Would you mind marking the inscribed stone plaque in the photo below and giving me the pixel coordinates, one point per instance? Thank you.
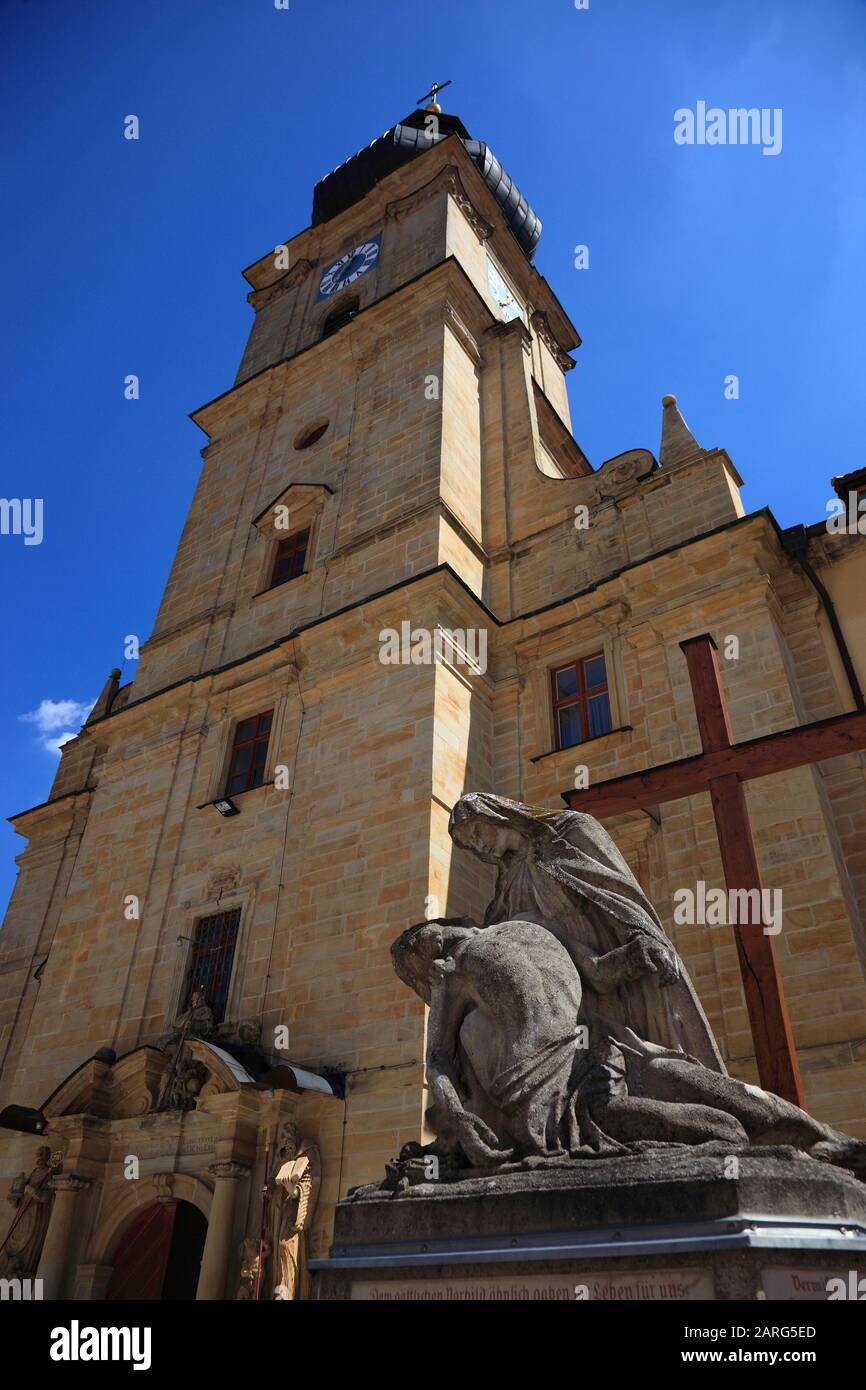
(643, 1286)
(796, 1284)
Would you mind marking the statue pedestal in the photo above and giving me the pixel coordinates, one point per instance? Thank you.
(670, 1224)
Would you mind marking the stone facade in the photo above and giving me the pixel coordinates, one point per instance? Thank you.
(442, 493)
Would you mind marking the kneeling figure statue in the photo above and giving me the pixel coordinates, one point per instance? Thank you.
(565, 1025)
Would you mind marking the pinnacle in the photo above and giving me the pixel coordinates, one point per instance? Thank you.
(678, 444)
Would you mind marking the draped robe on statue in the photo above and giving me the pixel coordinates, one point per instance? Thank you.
(294, 1190)
(570, 877)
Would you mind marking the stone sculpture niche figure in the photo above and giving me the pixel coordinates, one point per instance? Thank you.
(254, 1254)
(31, 1197)
(533, 1047)
(293, 1190)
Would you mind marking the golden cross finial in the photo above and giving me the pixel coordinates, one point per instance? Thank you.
(432, 104)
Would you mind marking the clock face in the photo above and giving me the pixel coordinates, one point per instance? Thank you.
(508, 306)
(349, 268)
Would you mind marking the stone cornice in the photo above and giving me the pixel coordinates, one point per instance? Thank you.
(294, 277)
(54, 809)
(462, 333)
(652, 627)
(611, 616)
(70, 1182)
(512, 328)
(157, 639)
(480, 226)
(447, 180)
(229, 1169)
(541, 324)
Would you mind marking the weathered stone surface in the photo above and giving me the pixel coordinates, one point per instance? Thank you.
(566, 1025)
(660, 1226)
(667, 1184)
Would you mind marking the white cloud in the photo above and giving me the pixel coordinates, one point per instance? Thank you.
(52, 719)
(52, 743)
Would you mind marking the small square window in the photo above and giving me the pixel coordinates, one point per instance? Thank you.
(290, 558)
(249, 754)
(581, 701)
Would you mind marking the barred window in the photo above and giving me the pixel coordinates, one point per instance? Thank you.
(211, 957)
(581, 701)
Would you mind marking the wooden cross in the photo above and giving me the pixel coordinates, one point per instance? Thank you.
(721, 769)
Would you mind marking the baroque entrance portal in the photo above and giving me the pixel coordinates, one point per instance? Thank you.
(159, 1255)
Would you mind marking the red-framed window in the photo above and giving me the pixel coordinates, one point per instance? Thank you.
(249, 753)
(290, 558)
(581, 700)
(211, 957)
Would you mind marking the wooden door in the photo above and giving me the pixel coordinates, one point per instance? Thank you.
(142, 1255)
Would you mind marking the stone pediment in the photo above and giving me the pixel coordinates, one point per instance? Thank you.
(145, 1080)
(296, 504)
(150, 1079)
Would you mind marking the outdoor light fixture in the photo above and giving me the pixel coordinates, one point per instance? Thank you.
(226, 806)
(23, 1118)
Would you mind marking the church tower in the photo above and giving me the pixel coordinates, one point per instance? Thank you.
(400, 579)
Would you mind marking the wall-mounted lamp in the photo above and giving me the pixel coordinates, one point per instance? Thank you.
(23, 1118)
(226, 806)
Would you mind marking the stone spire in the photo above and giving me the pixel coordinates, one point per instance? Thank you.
(678, 443)
(106, 699)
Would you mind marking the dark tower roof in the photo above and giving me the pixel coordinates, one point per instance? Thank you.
(350, 181)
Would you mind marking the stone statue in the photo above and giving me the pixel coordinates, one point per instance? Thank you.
(188, 1080)
(184, 1082)
(185, 1077)
(196, 1021)
(254, 1254)
(293, 1191)
(563, 871)
(555, 1029)
(32, 1198)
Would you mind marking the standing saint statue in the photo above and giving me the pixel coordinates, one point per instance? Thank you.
(293, 1191)
(32, 1198)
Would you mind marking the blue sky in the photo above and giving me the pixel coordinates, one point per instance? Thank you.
(125, 257)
